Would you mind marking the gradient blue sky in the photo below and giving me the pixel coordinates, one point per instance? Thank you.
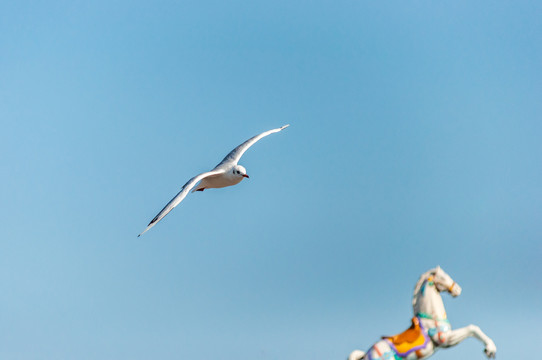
(415, 140)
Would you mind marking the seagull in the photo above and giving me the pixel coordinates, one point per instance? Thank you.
(226, 173)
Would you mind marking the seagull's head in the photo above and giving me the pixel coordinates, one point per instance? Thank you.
(239, 171)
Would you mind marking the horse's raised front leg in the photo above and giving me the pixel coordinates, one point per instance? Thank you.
(454, 337)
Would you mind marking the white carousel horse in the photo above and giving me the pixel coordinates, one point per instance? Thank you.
(430, 328)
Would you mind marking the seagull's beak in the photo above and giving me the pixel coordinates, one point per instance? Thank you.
(248, 177)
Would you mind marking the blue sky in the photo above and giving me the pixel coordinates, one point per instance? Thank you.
(414, 141)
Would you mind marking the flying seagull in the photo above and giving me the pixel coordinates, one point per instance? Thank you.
(226, 173)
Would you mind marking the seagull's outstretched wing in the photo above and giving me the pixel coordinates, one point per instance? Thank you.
(233, 157)
(180, 196)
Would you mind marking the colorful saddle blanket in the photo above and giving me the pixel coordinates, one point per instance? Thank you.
(412, 339)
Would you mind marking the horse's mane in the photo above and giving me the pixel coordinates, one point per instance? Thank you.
(419, 284)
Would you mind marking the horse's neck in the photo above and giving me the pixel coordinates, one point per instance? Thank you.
(430, 303)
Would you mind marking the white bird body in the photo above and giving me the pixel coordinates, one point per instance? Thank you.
(226, 173)
(218, 181)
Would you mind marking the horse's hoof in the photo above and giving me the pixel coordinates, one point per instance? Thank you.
(490, 353)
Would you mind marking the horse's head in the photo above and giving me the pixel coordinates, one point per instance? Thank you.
(426, 299)
(443, 282)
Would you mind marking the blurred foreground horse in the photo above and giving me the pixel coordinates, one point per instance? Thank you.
(430, 328)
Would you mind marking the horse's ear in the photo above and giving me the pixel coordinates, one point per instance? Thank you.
(437, 269)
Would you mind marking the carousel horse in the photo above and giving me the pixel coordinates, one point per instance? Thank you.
(430, 328)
